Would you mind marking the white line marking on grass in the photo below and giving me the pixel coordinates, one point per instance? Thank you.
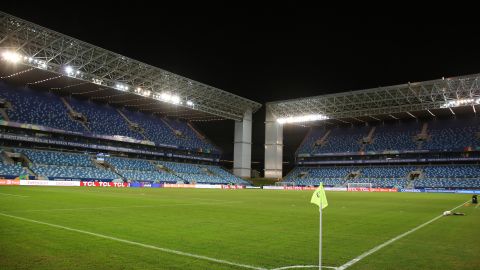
(81, 208)
(377, 248)
(303, 266)
(116, 207)
(166, 250)
(477, 205)
(8, 194)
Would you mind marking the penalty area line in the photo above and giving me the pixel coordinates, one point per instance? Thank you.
(165, 250)
(377, 248)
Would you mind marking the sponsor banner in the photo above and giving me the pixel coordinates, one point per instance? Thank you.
(35, 183)
(208, 186)
(439, 190)
(273, 187)
(233, 187)
(148, 185)
(411, 190)
(103, 184)
(66, 183)
(468, 191)
(299, 188)
(145, 185)
(179, 185)
(384, 190)
(4, 182)
(303, 188)
(364, 189)
(356, 189)
(252, 187)
(49, 183)
(335, 188)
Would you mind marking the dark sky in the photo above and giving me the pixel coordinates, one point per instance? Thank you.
(274, 53)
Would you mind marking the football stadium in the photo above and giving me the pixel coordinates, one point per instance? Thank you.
(104, 164)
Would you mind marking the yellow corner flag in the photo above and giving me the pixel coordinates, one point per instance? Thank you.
(319, 197)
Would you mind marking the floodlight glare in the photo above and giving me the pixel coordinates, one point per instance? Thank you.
(302, 118)
(175, 99)
(12, 57)
(189, 103)
(69, 69)
(459, 102)
(166, 96)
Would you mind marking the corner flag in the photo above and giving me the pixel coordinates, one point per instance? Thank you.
(319, 198)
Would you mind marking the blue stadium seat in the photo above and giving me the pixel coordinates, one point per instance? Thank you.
(39, 108)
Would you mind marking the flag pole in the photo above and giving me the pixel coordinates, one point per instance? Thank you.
(320, 240)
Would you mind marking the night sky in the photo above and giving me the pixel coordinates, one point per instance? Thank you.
(274, 53)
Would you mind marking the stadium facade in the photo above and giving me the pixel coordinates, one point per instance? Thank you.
(69, 108)
(423, 134)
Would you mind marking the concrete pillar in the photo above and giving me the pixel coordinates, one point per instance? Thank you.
(273, 146)
(242, 151)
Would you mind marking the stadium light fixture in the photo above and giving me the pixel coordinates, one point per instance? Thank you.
(175, 99)
(459, 102)
(189, 103)
(167, 97)
(302, 118)
(12, 57)
(146, 93)
(121, 87)
(69, 70)
(97, 81)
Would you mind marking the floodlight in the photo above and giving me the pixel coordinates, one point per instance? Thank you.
(165, 96)
(189, 103)
(459, 102)
(302, 118)
(69, 69)
(12, 57)
(175, 99)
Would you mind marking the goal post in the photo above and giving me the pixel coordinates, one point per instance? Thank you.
(359, 186)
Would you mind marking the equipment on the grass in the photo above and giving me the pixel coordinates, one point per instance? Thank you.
(474, 199)
(359, 186)
(450, 213)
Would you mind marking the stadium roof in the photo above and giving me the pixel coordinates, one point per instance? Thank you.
(51, 60)
(446, 96)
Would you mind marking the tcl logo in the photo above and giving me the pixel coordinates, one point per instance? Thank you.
(103, 184)
(88, 184)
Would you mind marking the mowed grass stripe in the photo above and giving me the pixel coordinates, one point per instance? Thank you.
(172, 251)
(269, 229)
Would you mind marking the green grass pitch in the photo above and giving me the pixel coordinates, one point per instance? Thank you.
(89, 228)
